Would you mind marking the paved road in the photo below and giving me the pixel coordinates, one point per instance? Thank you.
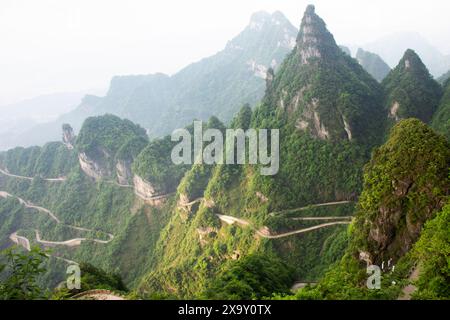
(323, 218)
(265, 233)
(19, 240)
(326, 204)
(6, 173)
(70, 243)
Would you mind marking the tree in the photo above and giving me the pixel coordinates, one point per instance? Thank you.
(20, 274)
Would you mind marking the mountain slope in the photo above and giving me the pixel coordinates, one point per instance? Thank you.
(399, 226)
(442, 79)
(411, 92)
(226, 213)
(441, 119)
(373, 64)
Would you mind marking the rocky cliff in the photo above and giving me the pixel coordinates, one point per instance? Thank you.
(406, 183)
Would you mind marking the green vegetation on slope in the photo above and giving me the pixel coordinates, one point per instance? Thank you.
(441, 119)
(406, 185)
(411, 92)
(373, 64)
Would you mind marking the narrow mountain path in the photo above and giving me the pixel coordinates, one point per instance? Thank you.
(19, 240)
(6, 173)
(326, 204)
(29, 205)
(69, 243)
(25, 243)
(191, 203)
(300, 285)
(323, 218)
(265, 233)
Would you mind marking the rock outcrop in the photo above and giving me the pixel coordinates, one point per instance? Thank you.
(314, 40)
(93, 168)
(325, 90)
(123, 172)
(68, 137)
(406, 183)
(143, 188)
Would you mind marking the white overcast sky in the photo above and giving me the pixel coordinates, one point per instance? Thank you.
(49, 46)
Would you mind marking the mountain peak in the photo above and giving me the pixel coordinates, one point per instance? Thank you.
(261, 18)
(411, 90)
(310, 9)
(314, 40)
(411, 59)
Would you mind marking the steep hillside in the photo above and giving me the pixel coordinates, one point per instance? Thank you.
(329, 112)
(442, 79)
(399, 225)
(48, 197)
(441, 119)
(411, 92)
(373, 64)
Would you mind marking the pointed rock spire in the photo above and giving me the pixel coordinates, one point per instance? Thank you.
(314, 40)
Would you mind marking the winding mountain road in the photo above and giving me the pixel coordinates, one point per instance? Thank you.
(71, 242)
(6, 173)
(323, 218)
(24, 242)
(265, 233)
(19, 240)
(326, 204)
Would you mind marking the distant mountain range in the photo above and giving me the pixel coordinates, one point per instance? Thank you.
(391, 48)
(17, 118)
(218, 85)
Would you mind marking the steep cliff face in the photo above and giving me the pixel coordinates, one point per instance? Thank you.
(143, 188)
(123, 172)
(406, 183)
(125, 157)
(411, 92)
(107, 146)
(94, 168)
(68, 136)
(314, 40)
